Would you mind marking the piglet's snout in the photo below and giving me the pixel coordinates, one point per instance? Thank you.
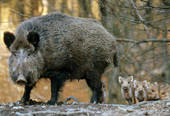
(125, 88)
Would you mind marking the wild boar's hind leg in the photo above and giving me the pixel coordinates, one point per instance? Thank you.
(57, 82)
(93, 80)
(97, 93)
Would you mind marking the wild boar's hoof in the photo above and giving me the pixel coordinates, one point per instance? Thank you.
(50, 102)
(24, 102)
(29, 102)
(97, 99)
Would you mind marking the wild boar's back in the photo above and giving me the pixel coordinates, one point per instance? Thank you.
(70, 39)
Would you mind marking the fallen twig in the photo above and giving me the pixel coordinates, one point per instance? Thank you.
(73, 98)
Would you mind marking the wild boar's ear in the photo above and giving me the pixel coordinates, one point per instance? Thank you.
(33, 38)
(8, 38)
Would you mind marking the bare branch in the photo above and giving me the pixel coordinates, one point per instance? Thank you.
(143, 41)
(140, 18)
(16, 12)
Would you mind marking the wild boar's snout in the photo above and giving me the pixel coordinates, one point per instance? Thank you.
(21, 80)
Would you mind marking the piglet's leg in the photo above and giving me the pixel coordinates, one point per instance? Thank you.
(130, 101)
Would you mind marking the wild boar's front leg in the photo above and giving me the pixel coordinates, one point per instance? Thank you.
(57, 82)
(26, 97)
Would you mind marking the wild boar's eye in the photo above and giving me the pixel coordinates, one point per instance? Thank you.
(14, 53)
(29, 54)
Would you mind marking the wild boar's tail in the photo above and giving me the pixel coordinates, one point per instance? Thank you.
(115, 59)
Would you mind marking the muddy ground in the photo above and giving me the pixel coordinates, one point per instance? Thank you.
(149, 108)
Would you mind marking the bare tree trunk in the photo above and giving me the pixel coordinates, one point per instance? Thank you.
(107, 18)
(64, 6)
(34, 10)
(165, 55)
(104, 12)
(19, 6)
(0, 13)
(85, 8)
(51, 6)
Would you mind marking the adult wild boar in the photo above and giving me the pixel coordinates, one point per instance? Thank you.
(60, 47)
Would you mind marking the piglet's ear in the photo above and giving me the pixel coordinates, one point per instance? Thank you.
(134, 83)
(33, 38)
(131, 78)
(120, 79)
(8, 39)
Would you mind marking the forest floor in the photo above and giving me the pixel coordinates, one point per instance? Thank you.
(149, 108)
